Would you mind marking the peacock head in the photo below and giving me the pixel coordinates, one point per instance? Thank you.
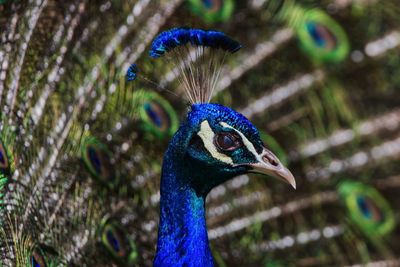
(221, 144)
(215, 143)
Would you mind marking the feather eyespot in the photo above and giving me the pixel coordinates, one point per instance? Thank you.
(158, 115)
(321, 37)
(367, 208)
(227, 141)
(119, 244)
(114, 239)
(97, 160)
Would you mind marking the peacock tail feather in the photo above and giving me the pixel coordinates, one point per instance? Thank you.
(81, 142)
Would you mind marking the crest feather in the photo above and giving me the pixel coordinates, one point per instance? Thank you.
(197, 56)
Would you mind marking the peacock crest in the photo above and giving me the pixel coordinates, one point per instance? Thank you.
(196, 56)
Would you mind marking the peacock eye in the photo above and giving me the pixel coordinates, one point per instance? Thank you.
(115, 240)
(227, 141)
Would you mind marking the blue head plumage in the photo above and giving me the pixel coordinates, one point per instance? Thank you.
(221, 143)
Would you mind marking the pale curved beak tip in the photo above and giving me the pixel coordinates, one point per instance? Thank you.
(285, 175)
(292, 182)
(269, 164)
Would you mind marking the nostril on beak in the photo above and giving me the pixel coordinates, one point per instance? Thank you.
(270, 159)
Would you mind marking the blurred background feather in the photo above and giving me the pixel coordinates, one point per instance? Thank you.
(81, 146)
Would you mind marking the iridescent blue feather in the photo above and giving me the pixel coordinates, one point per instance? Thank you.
(132, 72)
(168, 40)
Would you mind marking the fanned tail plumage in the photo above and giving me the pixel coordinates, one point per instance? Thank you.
(90, 95)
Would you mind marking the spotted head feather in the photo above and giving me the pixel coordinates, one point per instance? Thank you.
(132, 72)
(197, 56)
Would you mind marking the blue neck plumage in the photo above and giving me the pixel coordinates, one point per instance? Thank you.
(182, 233)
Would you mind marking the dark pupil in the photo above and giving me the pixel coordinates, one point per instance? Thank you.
(94, 159)
(226, 141)
(364, 207)
(321, 35)
(153, 115)
(312, 29)
(369, 209)
(157, 115)
(113, 241)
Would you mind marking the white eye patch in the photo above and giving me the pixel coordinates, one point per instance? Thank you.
(207, 136)
(249, 145)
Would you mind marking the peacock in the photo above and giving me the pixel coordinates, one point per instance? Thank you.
(111, 148)
(212, 145)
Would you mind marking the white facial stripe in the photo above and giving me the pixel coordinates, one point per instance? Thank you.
(249, 145)
(207, 135)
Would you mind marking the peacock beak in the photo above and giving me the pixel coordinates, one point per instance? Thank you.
(269, 164)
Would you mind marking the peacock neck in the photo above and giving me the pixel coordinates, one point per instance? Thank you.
(182, 233)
